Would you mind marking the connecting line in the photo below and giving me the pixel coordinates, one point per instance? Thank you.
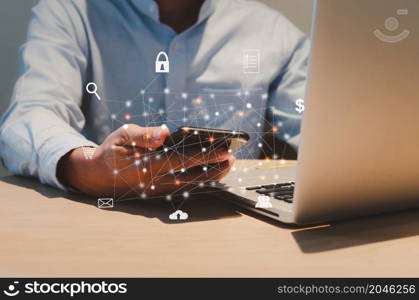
(195, 115)
(147, 86)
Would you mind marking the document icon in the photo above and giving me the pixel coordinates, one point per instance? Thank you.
(105, 203)
(251, 61)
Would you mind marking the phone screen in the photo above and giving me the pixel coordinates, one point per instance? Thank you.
(206, 139)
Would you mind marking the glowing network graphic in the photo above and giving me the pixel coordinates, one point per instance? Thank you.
(236, 109)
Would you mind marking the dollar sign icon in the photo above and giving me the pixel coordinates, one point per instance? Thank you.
(300, 105)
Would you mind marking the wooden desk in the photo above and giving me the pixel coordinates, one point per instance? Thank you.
(45, 232)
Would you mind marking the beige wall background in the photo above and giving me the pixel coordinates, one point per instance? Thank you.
(15, 14)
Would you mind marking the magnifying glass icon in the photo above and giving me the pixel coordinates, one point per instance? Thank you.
(91, 88)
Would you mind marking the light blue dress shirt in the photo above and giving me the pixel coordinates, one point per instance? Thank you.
(213, 82)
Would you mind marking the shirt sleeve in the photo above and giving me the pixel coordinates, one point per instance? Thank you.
(44, 120)
(290, 83)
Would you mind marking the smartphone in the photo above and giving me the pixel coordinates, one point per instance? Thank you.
(205, 139)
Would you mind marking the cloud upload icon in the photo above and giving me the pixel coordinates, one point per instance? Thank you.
(178, 215)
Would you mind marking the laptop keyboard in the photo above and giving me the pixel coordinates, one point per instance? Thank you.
(279, 191)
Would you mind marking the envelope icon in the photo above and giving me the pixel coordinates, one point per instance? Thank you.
(105, 203)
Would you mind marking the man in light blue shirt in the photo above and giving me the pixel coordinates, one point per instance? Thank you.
(234, 64)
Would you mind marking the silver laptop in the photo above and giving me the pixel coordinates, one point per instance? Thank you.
(359, 151)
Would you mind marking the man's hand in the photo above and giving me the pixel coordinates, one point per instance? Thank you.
(130, 162)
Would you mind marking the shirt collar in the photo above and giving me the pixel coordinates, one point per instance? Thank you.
(151, 9)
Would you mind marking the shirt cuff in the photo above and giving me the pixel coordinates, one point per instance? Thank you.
(56, 149)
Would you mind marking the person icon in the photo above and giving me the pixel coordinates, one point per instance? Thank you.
(392, 24)
(263, 202)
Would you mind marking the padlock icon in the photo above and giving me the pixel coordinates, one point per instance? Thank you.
(162, 63)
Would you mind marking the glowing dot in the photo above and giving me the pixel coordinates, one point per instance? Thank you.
(133, 144)
(177, 182)
(206, 117)
(153, 187)
(231, 107)
(143, 195)
(230, 150)
(195, 132)
(184, 95)
(267, 159)
(182, 170)
(166, 149)
(230, 189)
(145, 158)
(240, 113)
(185, 119)
(128, 103)
(280, 124)
(217, 113)
(144, 170)
(158, 156)
(238, 94)
(125, 126)
(260, 145)
(161, 111)
(185, 194)
(201, 184)
(212, 96)
(234, 169)
(282, 161)
(239, 179)
(204, 149)
(274, 129)
(137, 154)
(233, 132)
(275, 156)
(151, 99)
(172, 171)
(246, 93)
(260, 163)
(258, 124)
(142, 92)
(168, 197)
(213, 183)
(145, 114)
(185, 108)
(264, 96)
(115, 172)
(137, 162)
(198, 100)
(249, 105)
(166, 91)
(211, 139)
(286, 136)
(204, 168)
(113, 116)
(127, 117)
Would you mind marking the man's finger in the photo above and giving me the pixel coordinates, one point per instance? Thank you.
(190, 179)
(143, 137)
(175, 161)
